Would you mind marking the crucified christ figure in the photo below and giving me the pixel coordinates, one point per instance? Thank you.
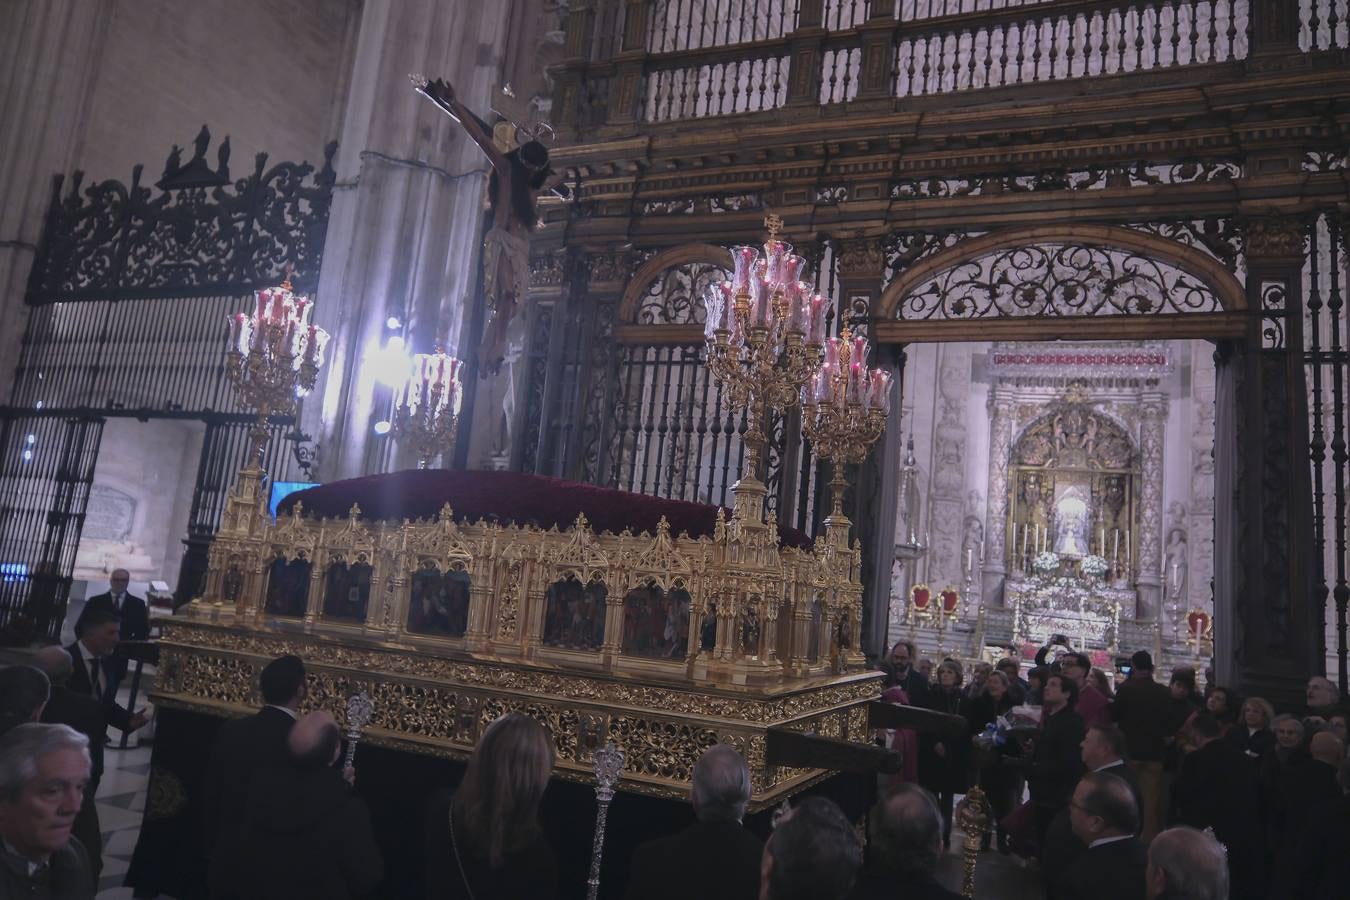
(518, 178)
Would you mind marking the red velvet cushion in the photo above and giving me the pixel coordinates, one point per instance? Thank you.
(510, 497)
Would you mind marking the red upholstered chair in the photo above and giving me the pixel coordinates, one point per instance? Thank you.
(1199, 626)
(950, 601)
(920, 602)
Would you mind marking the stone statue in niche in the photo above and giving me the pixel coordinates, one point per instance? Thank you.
(1071, 524)
(1175, 564)
(972, 547)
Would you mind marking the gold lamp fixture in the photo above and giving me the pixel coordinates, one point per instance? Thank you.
(844, 409)
(274, 357)
(426, 407)
(765, 333)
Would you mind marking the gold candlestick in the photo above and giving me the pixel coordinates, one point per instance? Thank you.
(426, 409)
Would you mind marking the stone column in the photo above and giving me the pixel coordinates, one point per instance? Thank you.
(403, 238)
(1148, 568)
(51, 50)
(995, 526)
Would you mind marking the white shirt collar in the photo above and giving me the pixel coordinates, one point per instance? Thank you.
(1110, 765)
(1109, 840)
(32, 866)
(286, 709)
(85, 653)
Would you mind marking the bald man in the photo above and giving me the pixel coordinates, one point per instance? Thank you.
(728, 855)
(1321, 696)
(86, 715)
(1105, 817)
(904, 843)
(306, 832)
(1186, 864)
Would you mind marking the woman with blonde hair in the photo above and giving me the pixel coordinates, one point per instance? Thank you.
(1251, 733)
(488, 844)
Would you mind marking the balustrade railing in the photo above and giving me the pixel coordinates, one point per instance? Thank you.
(688, 59)
(1323, 24)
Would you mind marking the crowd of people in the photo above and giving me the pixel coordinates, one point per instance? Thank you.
(1143, 756)
(1133, 791)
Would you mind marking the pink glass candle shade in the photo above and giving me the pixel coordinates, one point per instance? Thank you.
(743, 261)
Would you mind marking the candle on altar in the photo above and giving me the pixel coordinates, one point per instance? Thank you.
(1115, 547)
(1101, 541)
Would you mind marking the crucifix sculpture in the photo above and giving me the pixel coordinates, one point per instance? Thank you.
(519, 176)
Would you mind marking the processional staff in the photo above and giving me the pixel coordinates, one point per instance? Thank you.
(608, 767)
(359, 710)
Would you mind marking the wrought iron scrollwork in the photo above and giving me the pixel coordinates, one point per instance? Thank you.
(1058, 280)
(110, 240)
(676, 297)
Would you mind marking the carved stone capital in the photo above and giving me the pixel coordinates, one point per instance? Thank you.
(861, 256)
(1275, 238)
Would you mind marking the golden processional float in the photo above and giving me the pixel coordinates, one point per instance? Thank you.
(451, 598)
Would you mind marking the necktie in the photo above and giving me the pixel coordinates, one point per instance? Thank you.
(117, 603)
(95, 670)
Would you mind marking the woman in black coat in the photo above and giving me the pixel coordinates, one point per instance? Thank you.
(487, 845)
(944, 764)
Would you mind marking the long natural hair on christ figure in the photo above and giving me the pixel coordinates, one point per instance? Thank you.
(496, 809)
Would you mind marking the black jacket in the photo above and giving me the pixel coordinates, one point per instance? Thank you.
(243, 748)
(1142, 709)
(1216, 788)
(68, 876)
(1062, 847)
(710, 860)
(914, 685)
(117, 716)
(86, 715)
(1322, 859)
(307, 836)
(1253, 745)
(876, 884)
(135, 615)
(1113, 871)
(530, 871)
(1058, 759)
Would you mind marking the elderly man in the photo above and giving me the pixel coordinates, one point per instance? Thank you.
(85, 715)
(23, 693)
(1186, 864)
(1322, 696)
(43, 770)
(904, 844)
(812, 854)
(728, 855)
(1105, 818)
(244, 747)
(306, 834)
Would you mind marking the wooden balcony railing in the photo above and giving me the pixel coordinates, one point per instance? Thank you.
(631, 61)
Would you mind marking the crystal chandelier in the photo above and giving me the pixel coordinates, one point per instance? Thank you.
(764, 330)
(426, 407)
(274, 357)
(844, 408)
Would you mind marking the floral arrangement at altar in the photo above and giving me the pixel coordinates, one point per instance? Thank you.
(1068, 595)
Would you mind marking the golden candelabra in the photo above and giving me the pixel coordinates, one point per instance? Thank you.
(765, 329)
(975, 818)
(844, 409)
(426, 408)
(273, 358)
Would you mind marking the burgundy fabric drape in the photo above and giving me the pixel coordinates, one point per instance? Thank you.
(510, 498)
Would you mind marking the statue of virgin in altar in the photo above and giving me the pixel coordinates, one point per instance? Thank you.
(1071, 526)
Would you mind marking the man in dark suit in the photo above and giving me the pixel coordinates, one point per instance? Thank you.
(1188, 863)
(23, 692)
(813, 854)
(1142, 709)
(1217, 788)
(245, 747)
(728, 855)
(85, 715)
(305, 832)
(1103, 750)
(131, 610)
(903, 846)
(1105, 817)
(96, 638)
